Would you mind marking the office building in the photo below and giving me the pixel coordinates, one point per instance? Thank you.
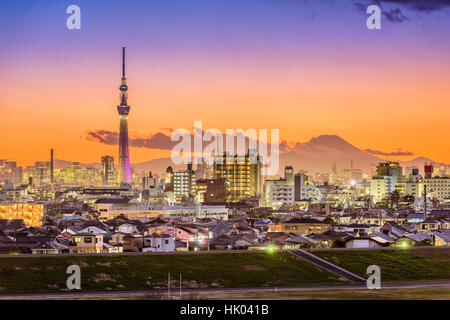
(108, 170)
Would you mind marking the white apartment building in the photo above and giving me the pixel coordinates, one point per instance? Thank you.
(183, 183)
(278, 195)
(438, 187)
(380, 187)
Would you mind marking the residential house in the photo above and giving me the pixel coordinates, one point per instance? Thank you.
(304, 226)
(51, 247)
(159, 242)
(413, 239)
(440, 237)
(428, 224)
(357, 229)
(365, 242)
(329, 239)
(86, 243)
(132, 243)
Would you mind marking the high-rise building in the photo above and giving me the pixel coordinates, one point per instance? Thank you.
(392, 169)
(108, 170)
(51, 165)
(438, 188)
(279, 192)
(148, 182)
(216, 191)
(204, 171)
(42, 172)
(299, 186)
(183, 183)
(32, 214)
(389, 174)
(9, 172)
(289, 175)
(428, 170)
(124, 173)
(168, 184)
(381, 186)
(243, 172)
(72, 174)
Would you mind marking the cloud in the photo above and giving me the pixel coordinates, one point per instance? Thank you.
(103, 136)
(395, 14)
(420, 5)
(155, 141)
(399, 152)
(158, 140)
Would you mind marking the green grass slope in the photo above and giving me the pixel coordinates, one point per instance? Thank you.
(413, 264)
(150, 271)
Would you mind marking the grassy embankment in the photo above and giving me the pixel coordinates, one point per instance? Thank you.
(150, 271)
(413, 264)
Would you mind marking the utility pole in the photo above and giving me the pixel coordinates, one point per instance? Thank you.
(180, 285)
(425, 200)
(168, 288)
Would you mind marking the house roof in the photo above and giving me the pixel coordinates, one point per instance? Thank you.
(52, 245)
(112, 200)
(443, 234)
(375, 239)
(382, 235)
(83, 234)
(429, 220)
(329, 235)
(159, 235)
(39, 240)
(94, 229)
(156, 221)
(357, 225)
(5, 239)
(302, 220)
(419, 236)
(416, 216)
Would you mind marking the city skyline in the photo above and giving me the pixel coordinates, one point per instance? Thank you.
(280, 62)
(275, 149)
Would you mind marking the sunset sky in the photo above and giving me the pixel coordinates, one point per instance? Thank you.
(304, 67)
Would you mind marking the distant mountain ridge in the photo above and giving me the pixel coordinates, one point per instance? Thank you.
(316, 155)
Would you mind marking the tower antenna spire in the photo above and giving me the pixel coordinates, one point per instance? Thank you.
(123, 62)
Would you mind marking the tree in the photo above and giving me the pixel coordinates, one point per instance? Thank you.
(391, 201)
(408, 201)
(425, 243)
(330, 221)
(94, 215)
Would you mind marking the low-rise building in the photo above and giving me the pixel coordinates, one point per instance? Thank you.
(159, 242)
(86, 243)
(304, 226)
(32, 214)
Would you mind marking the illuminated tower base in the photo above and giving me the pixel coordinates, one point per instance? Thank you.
(124, 156)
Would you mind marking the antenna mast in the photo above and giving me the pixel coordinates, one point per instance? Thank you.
(123, 62)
